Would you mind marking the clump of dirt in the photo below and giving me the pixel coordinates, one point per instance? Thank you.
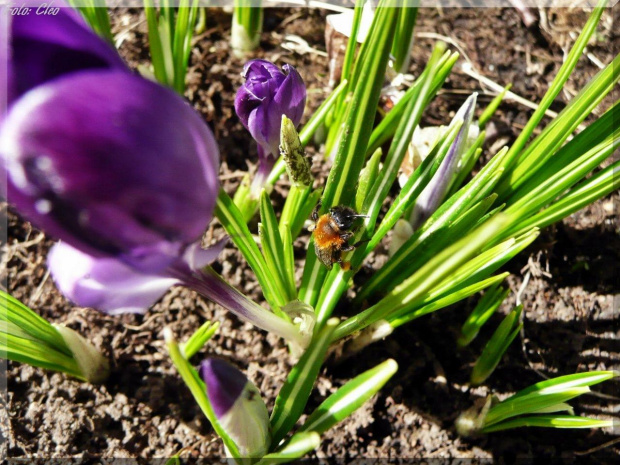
(144, 410)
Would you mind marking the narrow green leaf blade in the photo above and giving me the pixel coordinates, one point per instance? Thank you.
(234, 224)
(485, 308)
(550, 421)
(531, 403)
(558, 83)
(413, 289)
(497, 346)
(560, 383)
(200, 337)
(293, 396)
(406, 315)
(367, 178)
(349, 397)
(273, 248)
(350, 157)
(295, 448)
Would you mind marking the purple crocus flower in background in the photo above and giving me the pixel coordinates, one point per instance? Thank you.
(120, 169)
(238, 407)
(267, 94)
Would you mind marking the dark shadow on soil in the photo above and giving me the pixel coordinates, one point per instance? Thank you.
(591, 257)
(433, 376)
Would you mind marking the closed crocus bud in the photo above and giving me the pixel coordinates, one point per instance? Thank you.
(438, 187)
(238, 407)
(267, 94)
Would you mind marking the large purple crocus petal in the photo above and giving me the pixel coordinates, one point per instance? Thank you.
(111, 286)
(45, 47)
(104, 283)
(238, 406)
(113, 164)
(267, 94)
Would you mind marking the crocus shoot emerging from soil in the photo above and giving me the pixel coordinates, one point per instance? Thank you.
(238, 407)
(119, 168)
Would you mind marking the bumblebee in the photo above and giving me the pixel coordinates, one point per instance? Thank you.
(331, 233)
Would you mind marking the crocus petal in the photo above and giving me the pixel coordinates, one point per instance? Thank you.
(291, 95)
(112, 164)
(260, 125)
(261, 70)
(105, 284)
(45, 47)
(224, 384)
(238, 406)
(289, 100)
(196, 257)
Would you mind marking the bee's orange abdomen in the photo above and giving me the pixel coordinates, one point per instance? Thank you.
(327, 233)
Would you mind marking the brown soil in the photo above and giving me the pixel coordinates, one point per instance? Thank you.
(144, 410)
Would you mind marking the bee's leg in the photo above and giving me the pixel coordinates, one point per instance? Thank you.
(347, 248)
(346, 266)
(315, 216)
(345, 236)
(315, 211)
(357, 244)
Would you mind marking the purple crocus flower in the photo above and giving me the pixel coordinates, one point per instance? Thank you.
(120, 169)
(238, 407)
(267, 94)
(93, 159)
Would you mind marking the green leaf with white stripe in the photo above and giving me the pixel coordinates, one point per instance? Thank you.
(273, 248)
(349, 397)
(293, 396)
(497, 346)
(296, 447)
(480, 315)
(550, 421)
(233, 222)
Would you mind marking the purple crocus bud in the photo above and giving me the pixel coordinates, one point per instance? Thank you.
(267, 94)
(238, 407)
(434, 193)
